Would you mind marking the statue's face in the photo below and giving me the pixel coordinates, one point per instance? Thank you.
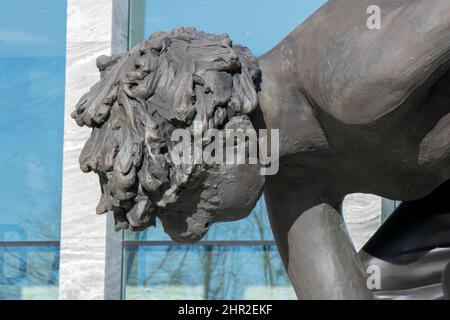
(227, 193)
(170, 82)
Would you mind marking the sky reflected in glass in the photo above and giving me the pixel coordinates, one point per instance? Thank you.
(32, 75)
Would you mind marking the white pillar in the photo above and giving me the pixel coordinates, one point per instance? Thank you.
(362, 214)
(94, 27)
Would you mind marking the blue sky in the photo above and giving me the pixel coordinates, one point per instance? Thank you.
(32, 28)
(257, 24)
(37, 27)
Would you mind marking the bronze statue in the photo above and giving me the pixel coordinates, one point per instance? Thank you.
(358, 110)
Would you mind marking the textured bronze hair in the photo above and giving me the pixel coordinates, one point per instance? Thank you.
(167, 82)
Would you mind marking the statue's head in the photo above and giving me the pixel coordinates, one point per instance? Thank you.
(171, 81)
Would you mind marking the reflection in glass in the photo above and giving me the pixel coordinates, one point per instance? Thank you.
(32, 74)
(31, 147)
(29, 273)
(205, 272)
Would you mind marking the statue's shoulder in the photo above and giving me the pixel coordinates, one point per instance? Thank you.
(358, 75)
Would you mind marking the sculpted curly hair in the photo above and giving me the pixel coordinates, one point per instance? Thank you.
(167, 82)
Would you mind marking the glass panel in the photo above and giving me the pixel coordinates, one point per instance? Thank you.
(201, 271)
(32, 68)
(29, 272)
(387, 208)
(205, 272)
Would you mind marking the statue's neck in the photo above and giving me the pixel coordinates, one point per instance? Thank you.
(279, 78)
(283, 104)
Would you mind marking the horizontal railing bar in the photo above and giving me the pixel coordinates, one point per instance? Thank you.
(29, 243)
(128, 243)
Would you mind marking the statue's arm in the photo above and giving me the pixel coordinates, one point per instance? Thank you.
(313, 242)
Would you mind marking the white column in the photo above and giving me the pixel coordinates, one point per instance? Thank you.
(362, 214)
(94, 27)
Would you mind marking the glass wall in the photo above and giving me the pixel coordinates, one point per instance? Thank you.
(29, 272)
(32, 74)
(236, 260)
(203, 272)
